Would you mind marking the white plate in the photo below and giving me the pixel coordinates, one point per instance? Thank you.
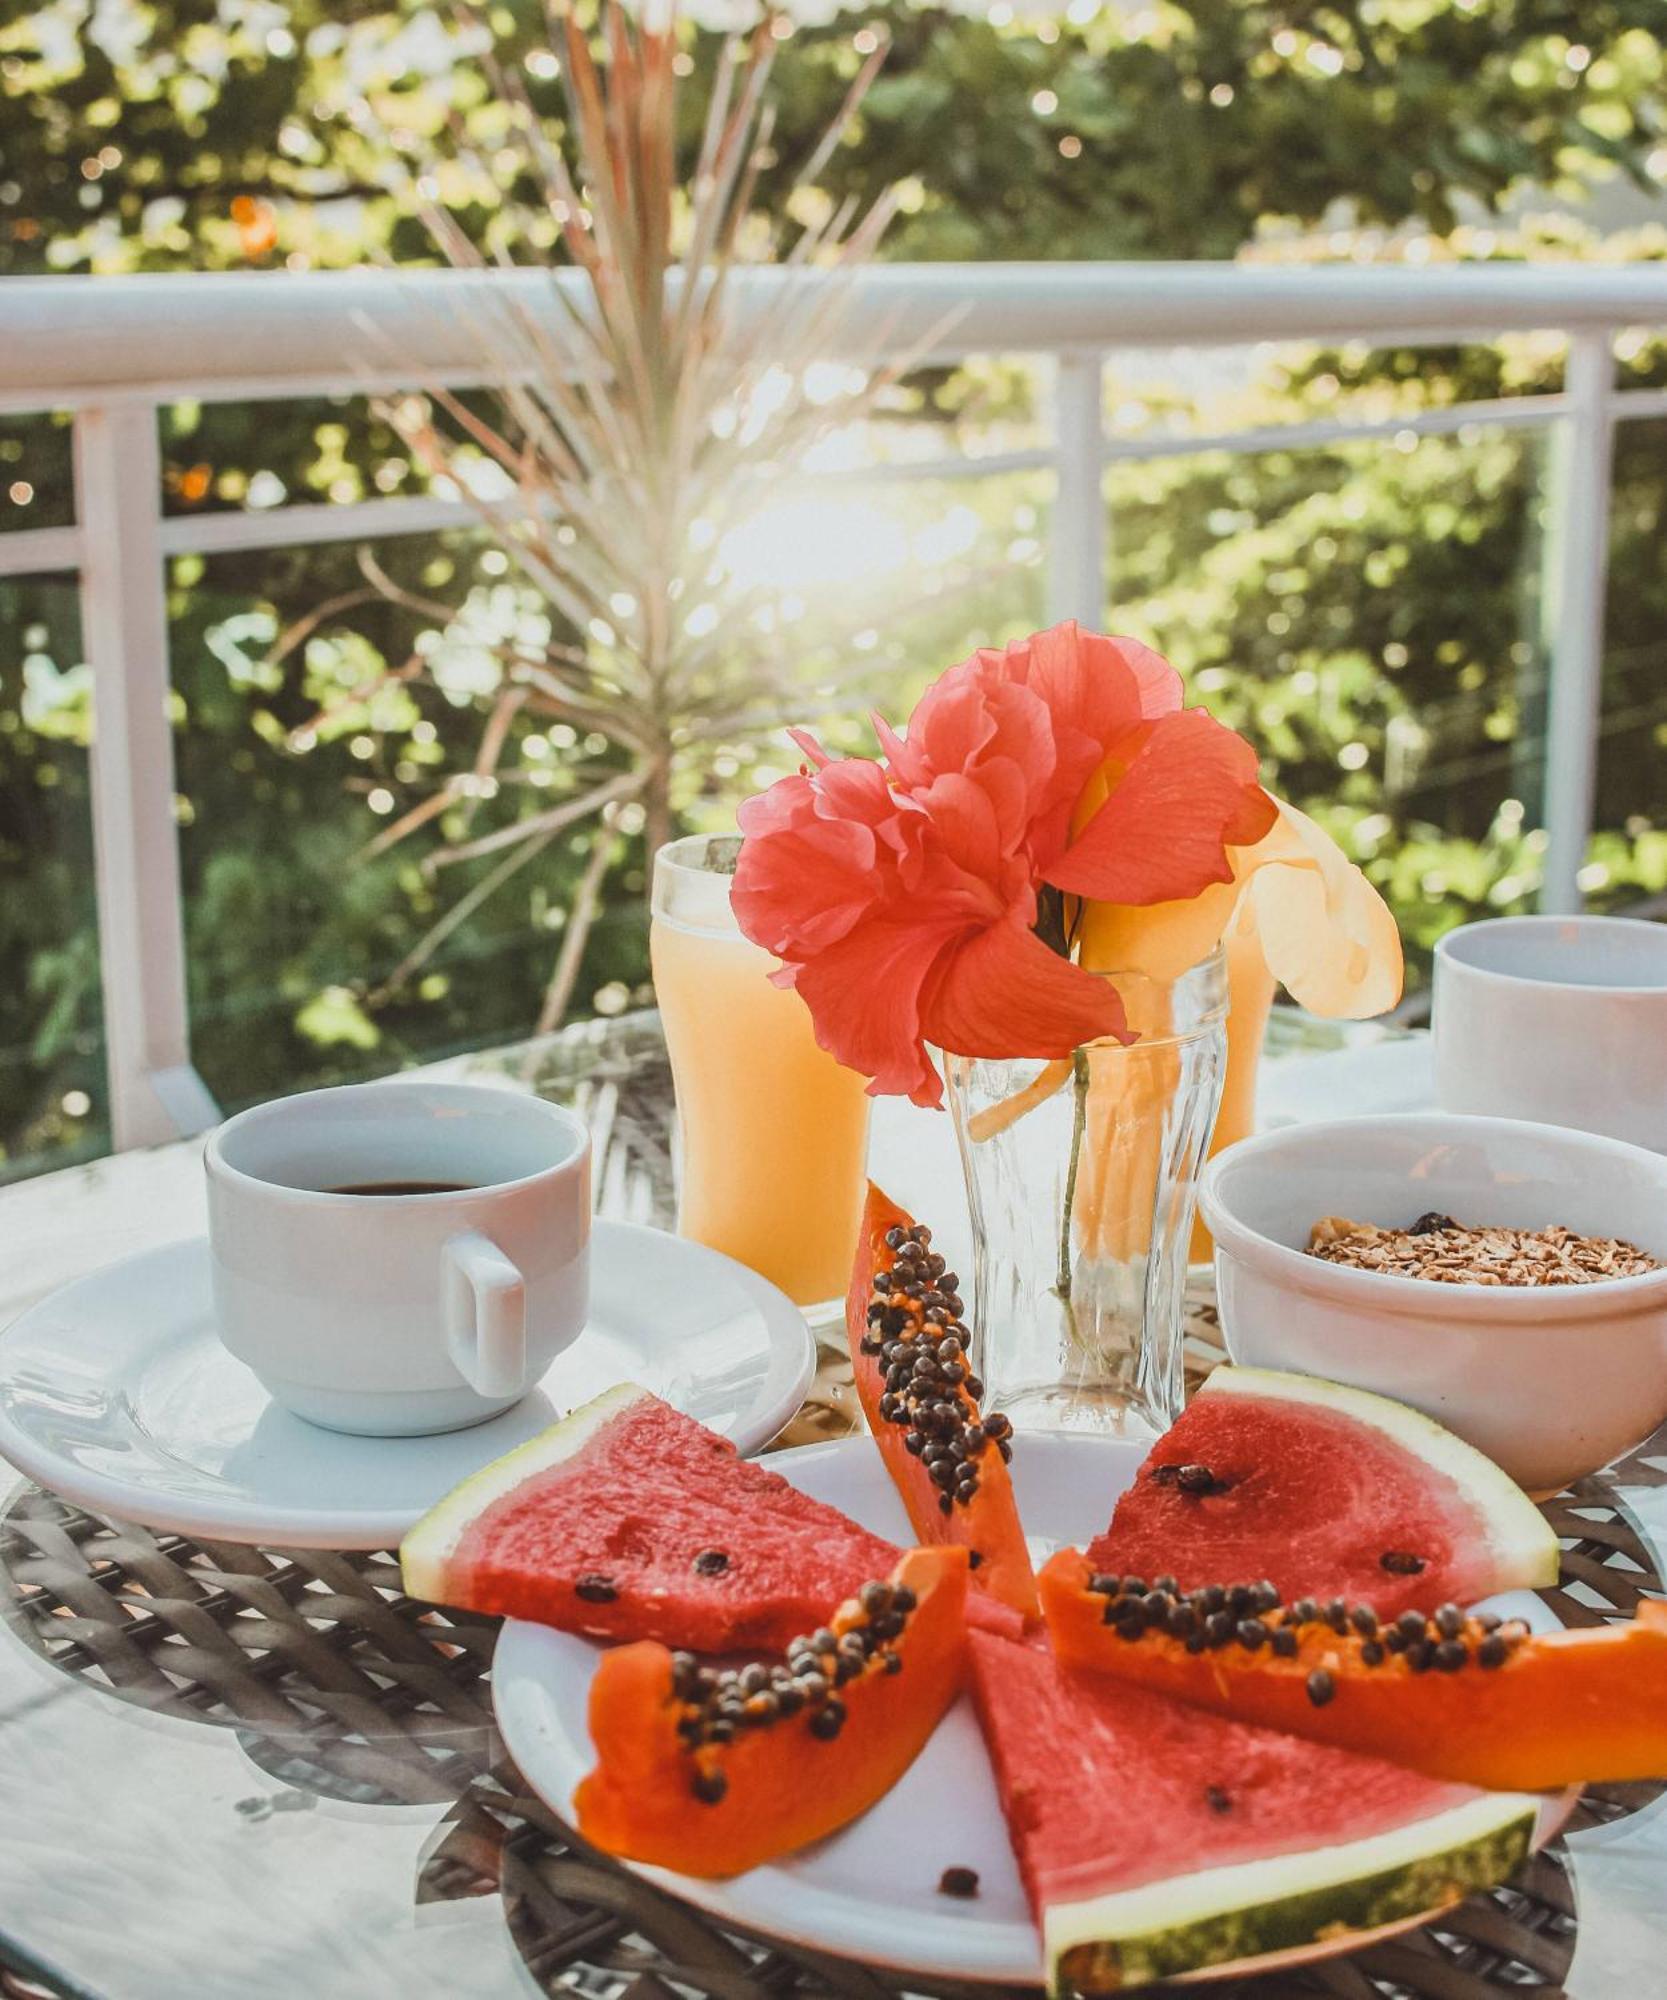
(870, 1891)
(116, 1393)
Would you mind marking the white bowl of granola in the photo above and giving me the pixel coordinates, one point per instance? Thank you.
(1535, 1326)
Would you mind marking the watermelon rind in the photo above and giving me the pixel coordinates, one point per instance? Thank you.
(1525, 1553)
(427, 1550)
(1218, 1916)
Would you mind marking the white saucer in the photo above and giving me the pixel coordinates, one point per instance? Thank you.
(116, 1393)
(870, 1891)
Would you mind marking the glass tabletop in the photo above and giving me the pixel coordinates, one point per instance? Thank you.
(263, 1773)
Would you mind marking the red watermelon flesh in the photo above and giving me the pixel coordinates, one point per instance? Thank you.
(1326, 1492)
(628, 1520)
(1154, 1838)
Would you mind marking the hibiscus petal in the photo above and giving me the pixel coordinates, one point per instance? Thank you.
(863, 993)
(907, 764)
(1163, 832)
(807, 873)
(1003, 993)
(1095, 684)
(965, 818)
(799, 890)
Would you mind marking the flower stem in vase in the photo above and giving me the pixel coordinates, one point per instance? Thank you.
(1079, 1110)
(1082, 1203)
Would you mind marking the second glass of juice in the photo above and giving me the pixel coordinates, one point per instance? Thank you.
(773, 1133)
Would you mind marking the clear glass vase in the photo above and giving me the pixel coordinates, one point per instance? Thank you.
(1082, 1180)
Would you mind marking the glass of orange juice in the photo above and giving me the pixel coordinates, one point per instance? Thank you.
(772, 1132)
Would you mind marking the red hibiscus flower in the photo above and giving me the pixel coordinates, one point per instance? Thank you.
(901, 896)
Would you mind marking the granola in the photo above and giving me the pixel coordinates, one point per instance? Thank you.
(1444, 1252)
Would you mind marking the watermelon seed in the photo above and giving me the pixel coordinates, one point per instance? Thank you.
(1321, 1687)
(1218, 1799)
(961, 1882)
(711, 1562)
(595, 1589)
(1198, 1480)
(1399, 1563)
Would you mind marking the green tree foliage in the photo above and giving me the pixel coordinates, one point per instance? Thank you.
(1370, 613)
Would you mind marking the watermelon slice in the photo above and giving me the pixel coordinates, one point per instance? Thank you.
(1325, 1491)
(628, 1520)
(1155, 1839)
(908, 1360)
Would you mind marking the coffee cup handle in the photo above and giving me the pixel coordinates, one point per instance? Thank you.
(486, 1315)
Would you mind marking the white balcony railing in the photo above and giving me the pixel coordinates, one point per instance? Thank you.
(113, 351)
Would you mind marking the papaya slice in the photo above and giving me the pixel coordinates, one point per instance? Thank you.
(1468, 1698)
(712, 1771)
(903, 1319)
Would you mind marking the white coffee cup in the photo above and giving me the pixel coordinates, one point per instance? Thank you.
(394, 1314)
(1562, 1020)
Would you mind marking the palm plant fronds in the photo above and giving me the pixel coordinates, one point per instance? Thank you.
(644, 399)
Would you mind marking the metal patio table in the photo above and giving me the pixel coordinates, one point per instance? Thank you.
(265, 1773)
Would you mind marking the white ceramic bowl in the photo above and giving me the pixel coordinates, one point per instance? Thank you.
(1551, 1382)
